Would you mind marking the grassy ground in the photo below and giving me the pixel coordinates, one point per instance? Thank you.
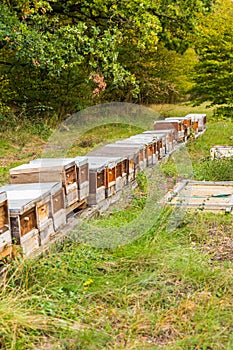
(165, 290)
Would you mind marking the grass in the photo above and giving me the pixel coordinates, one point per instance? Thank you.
(165, 290)
(161, 291)
(170, 110)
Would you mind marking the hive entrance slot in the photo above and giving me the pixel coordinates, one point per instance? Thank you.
(100, 179)
(71, 176)
(119, 170)
(58, 201)
(28, 222)
(4, 220)
(111, 175)
(83, 173)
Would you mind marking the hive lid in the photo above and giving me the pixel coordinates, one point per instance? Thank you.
(79, 160)
(53, 162)
(36, 168)
(96, 162)
(31, 190)
(150, 137)
(165, 131)
(158, 135)
(167, 121)
(20, 205)
(128, 151)
(196, 116)
(143, 140)
(125, 144)
(171, 120)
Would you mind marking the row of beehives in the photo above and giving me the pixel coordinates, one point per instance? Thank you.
(45, 191)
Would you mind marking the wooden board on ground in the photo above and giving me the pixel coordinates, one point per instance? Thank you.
(219, 152)
(211, 196)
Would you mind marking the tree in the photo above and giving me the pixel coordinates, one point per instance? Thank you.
(214, 45)
(58, 46)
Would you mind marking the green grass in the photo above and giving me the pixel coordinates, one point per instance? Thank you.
(165, 290)
(99, 136)
(218, 133)
(170, 110)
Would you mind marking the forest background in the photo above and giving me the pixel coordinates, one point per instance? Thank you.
(58, 57)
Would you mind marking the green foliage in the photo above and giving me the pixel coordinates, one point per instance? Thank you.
(49, 50)
(214, 45)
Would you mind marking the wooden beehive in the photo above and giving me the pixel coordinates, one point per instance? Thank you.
(116, 175)
(97, 181)
(198, 121)
(83, 177)
(166, 140)
(129, 151)
(42, 195)
(121, 173)
(170, 140)
(150, 144)
(186, 123)
(5, 233)
(159, 144)
(175, 124)
(140, 153)
(23, 223)
(50, 170)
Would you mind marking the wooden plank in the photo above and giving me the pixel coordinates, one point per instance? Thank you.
(75, 206)
(209, 196)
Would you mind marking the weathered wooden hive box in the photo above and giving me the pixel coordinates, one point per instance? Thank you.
(23, 222)
(175, 124)
(161, 141)
(210, 196)
(120, 169)
(129, 151)
(198, 120)
(115, 169)
(97, 181)
(121, 173)
(219, 152)
(50, 170)
(168, 135)
(151, 146)
(82, 173)
(83, 177)
(42, 194)
(136, 153)
(5, 233)
(187, 124)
